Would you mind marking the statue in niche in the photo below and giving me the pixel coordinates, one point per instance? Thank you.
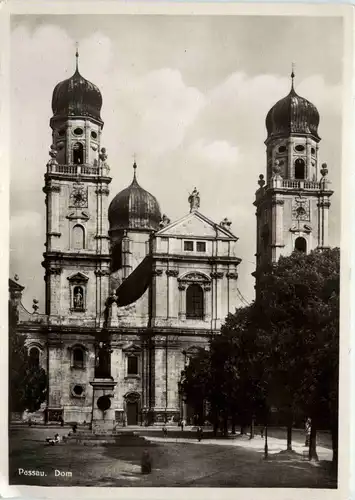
(194, 200)
(78, 298)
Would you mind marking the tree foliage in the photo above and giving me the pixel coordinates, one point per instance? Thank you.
(27, 382)
(282, 351)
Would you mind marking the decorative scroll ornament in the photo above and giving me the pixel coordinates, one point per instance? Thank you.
(79, 196)
(301, 209)
(194, 277)
(216, 274)
(172, 273)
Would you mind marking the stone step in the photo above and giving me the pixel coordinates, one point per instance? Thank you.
(124, 439)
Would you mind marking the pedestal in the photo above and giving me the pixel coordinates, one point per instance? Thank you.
(103, 415)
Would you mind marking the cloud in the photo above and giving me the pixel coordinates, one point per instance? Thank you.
(185, 132)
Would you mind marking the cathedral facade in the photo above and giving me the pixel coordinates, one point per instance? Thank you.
(157, 289)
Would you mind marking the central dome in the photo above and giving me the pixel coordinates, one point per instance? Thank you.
(292, 115)
(134, 208)
(76, 96)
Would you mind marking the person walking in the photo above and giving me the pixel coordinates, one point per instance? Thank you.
(146, 463)
(199, 433)
(182, 424)
(165, 431)
(308, 426)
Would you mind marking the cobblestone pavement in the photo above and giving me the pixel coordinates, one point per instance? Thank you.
(176, 461)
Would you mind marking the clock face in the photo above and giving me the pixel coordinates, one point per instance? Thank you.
(78, 196)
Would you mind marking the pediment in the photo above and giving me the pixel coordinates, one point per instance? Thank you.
(78, 215)
(195, 225)
(131, 349)
(78, 278)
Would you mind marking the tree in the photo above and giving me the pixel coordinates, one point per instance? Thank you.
(298, 301)
(236, 356)
(196, 381)
(27, 382)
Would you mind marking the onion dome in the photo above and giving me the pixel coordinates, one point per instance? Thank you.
(134, 208)
(292, 115)
(76, 96)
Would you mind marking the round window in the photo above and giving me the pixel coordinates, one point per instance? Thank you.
(78, 390)
(313, 151)
(282, 149)
(94, 134)
(104, 403)
(299, 147)
(78, 131)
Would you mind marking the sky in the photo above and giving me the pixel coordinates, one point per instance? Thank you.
(187, 95)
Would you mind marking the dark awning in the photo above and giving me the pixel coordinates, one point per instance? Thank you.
(134, 286)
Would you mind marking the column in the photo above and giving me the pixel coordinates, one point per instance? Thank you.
(277, 228)
(208, 299)
(55, 377)
(309, 160)
(171, 274)
(324, 205)
(160, 380)
(217, 284)
(182, 301)
(53, 274)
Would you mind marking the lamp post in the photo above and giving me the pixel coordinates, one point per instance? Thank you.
(266, 448)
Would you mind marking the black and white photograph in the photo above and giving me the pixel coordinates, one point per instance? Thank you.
(176, 194)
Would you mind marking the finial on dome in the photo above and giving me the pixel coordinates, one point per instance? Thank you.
(77, 55)
(134, 168)
(292, 75)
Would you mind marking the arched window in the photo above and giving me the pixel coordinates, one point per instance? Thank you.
(300, 169)
(301, 245)
(194, 302)
(78, 298)
(78, 237)
(78, 357)
(34, 356)
(78, 153)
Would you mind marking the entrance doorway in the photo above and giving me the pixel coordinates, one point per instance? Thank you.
(132, 413)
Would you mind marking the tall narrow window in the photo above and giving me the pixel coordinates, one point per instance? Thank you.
(194, 302)
(78, 153)
(78, 357)
(78, 237)
(132, 365)
(301, 245)
(34, 356)
(300, 169)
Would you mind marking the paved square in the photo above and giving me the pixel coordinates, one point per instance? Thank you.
(177, 461)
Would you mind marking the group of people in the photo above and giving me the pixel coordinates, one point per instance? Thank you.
(57, 439)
